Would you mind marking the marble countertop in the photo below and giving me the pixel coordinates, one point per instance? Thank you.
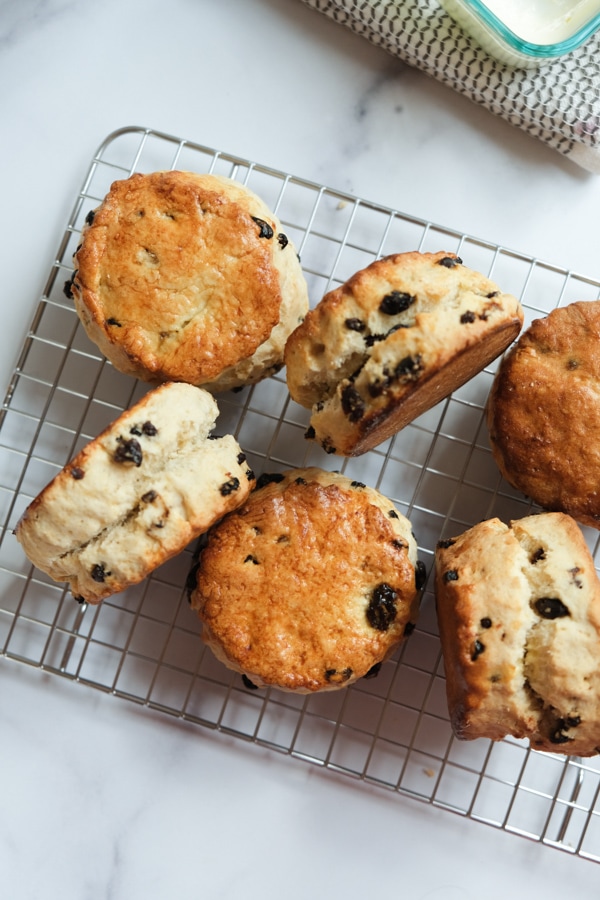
(101, 798)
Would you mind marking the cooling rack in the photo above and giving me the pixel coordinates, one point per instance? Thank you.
(144, 646)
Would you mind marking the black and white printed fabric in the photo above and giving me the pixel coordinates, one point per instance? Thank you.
(559, 102)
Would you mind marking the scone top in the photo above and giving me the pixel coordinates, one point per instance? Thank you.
(312, 583)
(186, 277)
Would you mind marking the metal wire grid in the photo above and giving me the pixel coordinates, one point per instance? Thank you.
(144, 645)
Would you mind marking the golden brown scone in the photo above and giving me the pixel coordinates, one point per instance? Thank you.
(136, 495)
(188, 277)
(544, 412)
(310, 584)
(393, 341)
(519, 617)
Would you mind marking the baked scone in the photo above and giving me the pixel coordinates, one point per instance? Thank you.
(393, 341)
(188, 277)
(543, 412)
(136, 495)
(519, 618)
(309, 585)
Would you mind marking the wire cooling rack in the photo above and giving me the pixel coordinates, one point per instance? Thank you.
(144, 644)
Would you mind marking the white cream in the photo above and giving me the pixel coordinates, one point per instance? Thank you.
(544, 21)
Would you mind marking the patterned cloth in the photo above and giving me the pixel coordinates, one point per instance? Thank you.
(559, 103)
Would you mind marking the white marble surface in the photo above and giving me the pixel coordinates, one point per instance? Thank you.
(100, 798)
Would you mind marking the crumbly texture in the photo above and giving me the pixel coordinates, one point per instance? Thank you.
(136, 495)
(544, 412)
(393, 341)
(188, 277)
(519, 617)
(310, 584)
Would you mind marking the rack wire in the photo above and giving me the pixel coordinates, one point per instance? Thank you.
(144, 645)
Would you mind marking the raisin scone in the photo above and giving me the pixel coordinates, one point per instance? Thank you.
(188, 277)
(519, 616)
(543, 412)
(391, 342)
(136, 495)
(310, 585)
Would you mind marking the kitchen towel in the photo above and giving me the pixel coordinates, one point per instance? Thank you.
(559, 103)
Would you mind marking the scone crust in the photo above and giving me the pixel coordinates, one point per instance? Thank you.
(285, 583)
(136, 495)
(391, 342)
(544, 412)
(519, 618)
(188, 277)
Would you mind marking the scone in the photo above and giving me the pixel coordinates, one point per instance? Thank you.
(309, 585)
(136, 495)
(188, 277)
(544, 412)
(391, 342)
(519, 617)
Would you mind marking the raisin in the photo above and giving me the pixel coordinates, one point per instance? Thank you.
(355, 324)
(357, 484)
(265, 230)
(228, 487)
(90, 217)
(398, 544)
(450, 261)
(478, 649)
(572, 364)
(451, 575)
(77, 473)
(328, 446)
(135, 429)
(68, 286)
(252, 559)
(574, 572)
(381, 610)
(300, 480)
(149, 496)
(269, 478)
(486, 622)
(409, 368)
(551, 608)
(420, 575)
(115, 322)
(396, 302)
(99, 573)
(492, 294)
(241, 458)
(352, 403)
(128, 451)
(250, 475)
(149, 429)
(373, 671)
(558, 736)
(467, 317)
(573, 721)
(539, 555)
(282, 240)
(81, 600)
(409, 628)
(445, 543)
(393, 514)
(310, 433)
(249, 684)
(333, 676)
